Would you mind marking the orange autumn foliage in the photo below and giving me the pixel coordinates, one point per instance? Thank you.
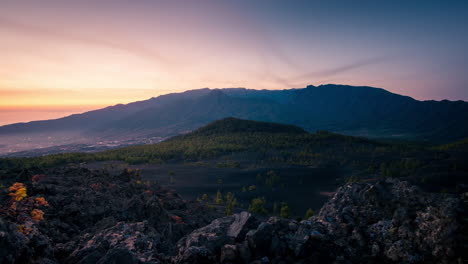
(18, 191)
(23, 210)
(23, 229)
(16, 186)
(41, 201)
(37, 215)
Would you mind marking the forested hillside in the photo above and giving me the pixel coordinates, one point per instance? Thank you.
(234, 141)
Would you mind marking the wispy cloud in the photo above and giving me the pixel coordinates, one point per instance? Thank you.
(271, 51)
(327, 73)
(343, 68)
(121, 44)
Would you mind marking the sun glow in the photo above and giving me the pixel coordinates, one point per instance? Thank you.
(86, 53)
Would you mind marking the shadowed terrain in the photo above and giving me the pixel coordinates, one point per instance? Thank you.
(351, 110)
(289, 196)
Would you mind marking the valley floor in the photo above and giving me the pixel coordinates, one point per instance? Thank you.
(294, 185)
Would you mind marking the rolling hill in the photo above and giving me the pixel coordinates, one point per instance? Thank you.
(232, 141)
(358, 111)
(251, 145)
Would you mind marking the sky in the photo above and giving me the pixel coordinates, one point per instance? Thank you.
(63, 57)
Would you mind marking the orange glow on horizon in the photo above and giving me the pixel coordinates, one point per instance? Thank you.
(70, 56)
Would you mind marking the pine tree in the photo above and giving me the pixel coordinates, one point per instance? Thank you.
(285, 211)
(231, 203)
(309, 213)
(219, 198)
(258, 206)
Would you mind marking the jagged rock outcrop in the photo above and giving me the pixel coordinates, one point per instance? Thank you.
(96, 217)
(135, 242)
(205, 244)
(393, 221)
(384, 222)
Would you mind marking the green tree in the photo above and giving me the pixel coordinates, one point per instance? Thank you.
(229, 210)
(219, 198)
(231, 203)
(309, 213)
(258, 206)
(229, 197)
(285, 211)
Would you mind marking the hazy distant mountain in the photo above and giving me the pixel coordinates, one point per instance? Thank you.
(363, 111)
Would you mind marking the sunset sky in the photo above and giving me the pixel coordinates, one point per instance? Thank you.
(62, 57)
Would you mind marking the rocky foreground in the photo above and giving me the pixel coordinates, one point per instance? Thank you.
(95, 217)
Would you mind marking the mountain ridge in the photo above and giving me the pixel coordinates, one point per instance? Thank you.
(352, 110)
(228, 91)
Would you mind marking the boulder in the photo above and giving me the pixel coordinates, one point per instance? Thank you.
(213, 237)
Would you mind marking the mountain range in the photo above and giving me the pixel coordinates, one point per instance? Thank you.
(352, 110)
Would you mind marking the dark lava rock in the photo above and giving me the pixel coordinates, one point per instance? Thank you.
(119, 256)
(97, 217)
(18, 248)
(393, 221)
(93, 213)
(385, 222)
(208, 240)
(138, 240)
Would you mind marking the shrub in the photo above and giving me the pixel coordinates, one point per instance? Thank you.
(219, 198)
(23, 210)
(231, 203)
(285, 211)
(258, 206)
(37, 215)
(309, 213)
(41, 201)
(18, 192)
